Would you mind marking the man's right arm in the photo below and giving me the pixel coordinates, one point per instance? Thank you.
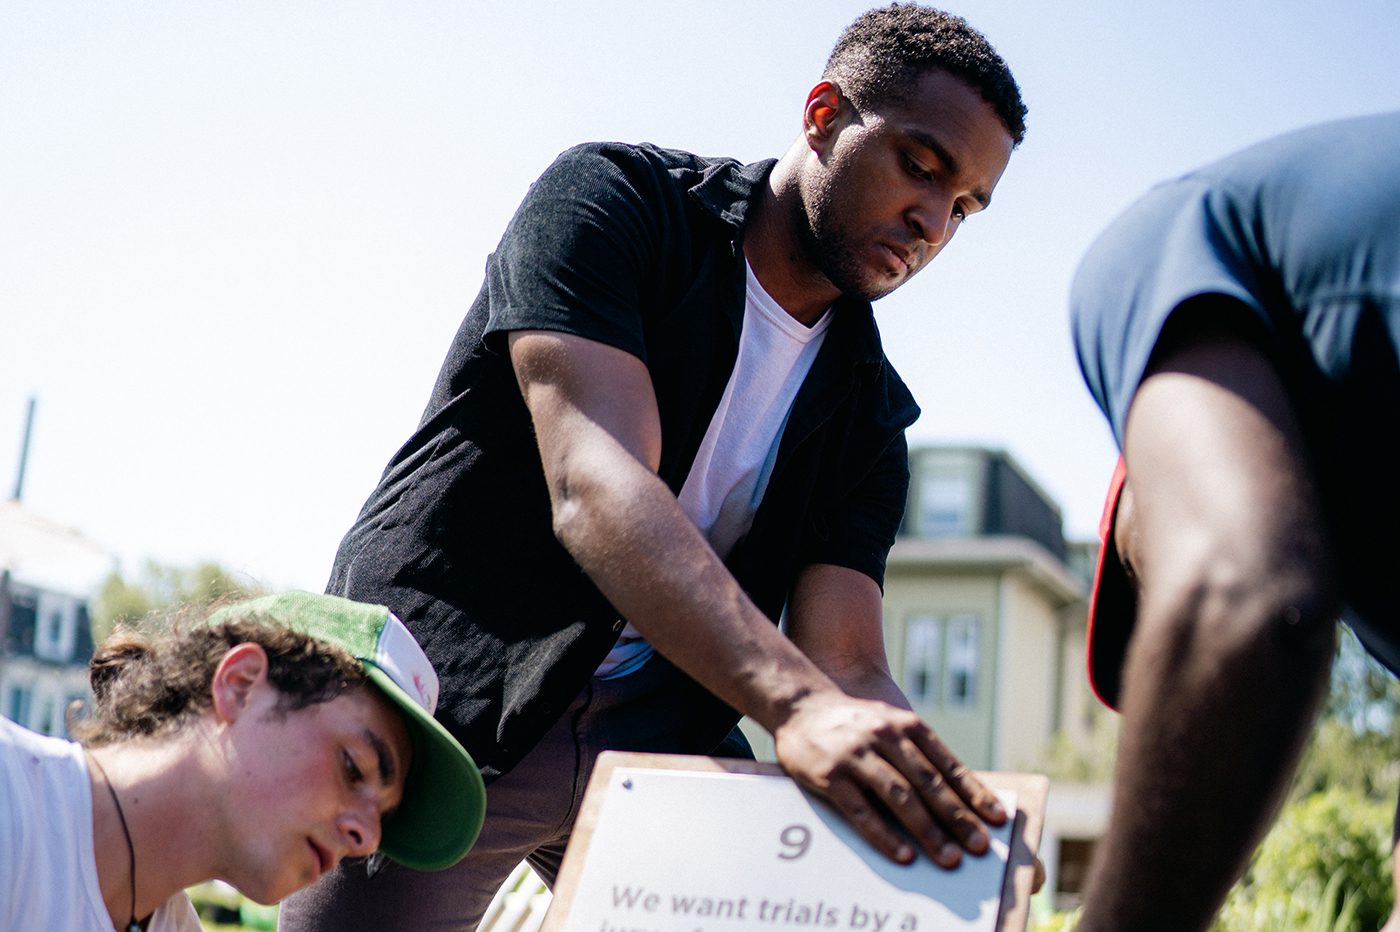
(599, 436)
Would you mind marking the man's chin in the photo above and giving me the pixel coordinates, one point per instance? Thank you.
(867, 287)
(269, 890)
(877, 288)
(864, 280)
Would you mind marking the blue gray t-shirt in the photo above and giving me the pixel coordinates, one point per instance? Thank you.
(1304, 231)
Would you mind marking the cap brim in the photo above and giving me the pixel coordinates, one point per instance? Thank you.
(444, 798)
(1112, 604)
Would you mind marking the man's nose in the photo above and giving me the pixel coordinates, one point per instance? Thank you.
(932, 219)
(360, 828)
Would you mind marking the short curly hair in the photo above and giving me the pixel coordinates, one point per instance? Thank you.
(887, 49)
(149, 680)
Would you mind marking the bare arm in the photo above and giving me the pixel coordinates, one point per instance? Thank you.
(599, 434)
(600, 440)
(1220, 521)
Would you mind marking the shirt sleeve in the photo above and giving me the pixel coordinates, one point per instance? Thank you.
(860, 530)
(1184, 239)
(576, 255)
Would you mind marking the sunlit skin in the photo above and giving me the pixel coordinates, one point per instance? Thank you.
(865, 200)
(311, 789)
(1221, 528)
(265, 800)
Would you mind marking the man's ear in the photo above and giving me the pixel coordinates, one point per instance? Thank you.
(822, 118)
(243, 669)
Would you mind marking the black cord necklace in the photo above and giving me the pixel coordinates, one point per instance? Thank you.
(132, 925)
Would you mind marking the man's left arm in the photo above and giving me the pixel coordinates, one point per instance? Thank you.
(835, 618)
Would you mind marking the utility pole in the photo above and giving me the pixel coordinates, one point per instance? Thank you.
(5, 605)
(24, 451)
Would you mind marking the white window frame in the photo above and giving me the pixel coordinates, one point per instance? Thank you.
(923, 658)
(963, 657)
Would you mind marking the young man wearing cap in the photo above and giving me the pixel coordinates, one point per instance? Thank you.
(667, 416)
(1239, 327)
(259, 746)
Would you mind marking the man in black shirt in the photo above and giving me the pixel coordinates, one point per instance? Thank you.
(584, 443)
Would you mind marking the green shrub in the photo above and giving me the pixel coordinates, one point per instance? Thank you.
(1325, 865)
(1057, 922)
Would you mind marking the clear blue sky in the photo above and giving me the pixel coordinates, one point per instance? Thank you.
(236, 237)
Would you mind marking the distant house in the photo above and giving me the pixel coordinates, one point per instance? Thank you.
(47, 572)
(985, 614)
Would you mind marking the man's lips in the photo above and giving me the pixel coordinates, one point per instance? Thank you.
(896, 257)
(324, 859)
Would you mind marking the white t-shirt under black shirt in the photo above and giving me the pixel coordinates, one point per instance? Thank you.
(48, 866)
(730, 473)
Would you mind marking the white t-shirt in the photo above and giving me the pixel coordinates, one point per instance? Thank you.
(730, 474)
(48, 868)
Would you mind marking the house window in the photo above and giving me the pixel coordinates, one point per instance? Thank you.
(17, 705)
(46, 721)
(960, 678)
(55, 627)
(53, 640)
(1073, 871)
(945, 506)
(23, 611)
(82, 635)
(922, 646)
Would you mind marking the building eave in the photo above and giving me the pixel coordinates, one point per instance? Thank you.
(991, 553)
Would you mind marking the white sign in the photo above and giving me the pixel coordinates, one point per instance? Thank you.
(683, 851)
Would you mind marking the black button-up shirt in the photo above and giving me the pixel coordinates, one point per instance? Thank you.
(639, 248)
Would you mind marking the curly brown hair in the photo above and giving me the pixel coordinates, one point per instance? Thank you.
(150, 679)
(880, 56)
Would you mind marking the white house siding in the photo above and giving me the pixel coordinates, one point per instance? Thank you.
(1026, 694)
(911, 592)
(1078, 705)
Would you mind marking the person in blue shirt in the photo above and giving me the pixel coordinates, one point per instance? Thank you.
(1239, 328)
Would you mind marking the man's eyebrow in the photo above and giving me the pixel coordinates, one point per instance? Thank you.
(928, 141)
(387, 769)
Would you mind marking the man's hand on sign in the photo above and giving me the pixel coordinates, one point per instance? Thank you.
(856, 751)
(860, 743)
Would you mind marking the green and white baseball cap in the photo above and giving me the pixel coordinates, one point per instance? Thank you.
(444, 798)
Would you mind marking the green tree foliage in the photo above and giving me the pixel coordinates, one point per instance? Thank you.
(1366, 763)
(162, 586)
(1326, 863)
(1357, 742)
(1328, 855)
(1088, 755)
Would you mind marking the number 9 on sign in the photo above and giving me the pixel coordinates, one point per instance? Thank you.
(796, 839)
